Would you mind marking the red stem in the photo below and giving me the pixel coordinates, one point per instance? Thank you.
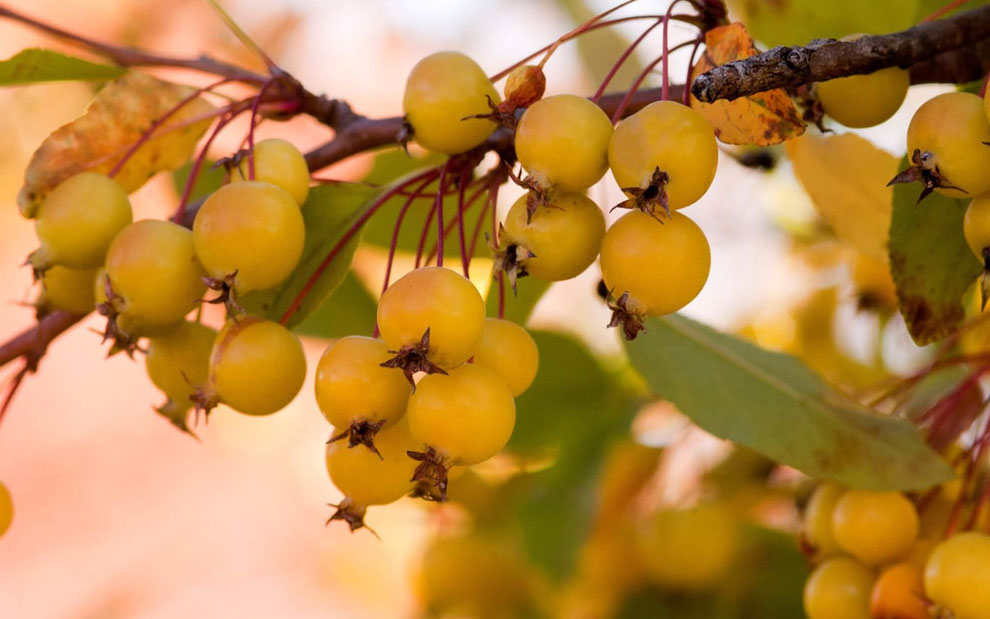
(639, 81)
(343, 241)
(398, 226)
(945, 9)
(450, 227)
(159, 122)
(686, 96)
(438, 206)
(622, 59)
(665, 92)
(254, 122)
(465, 259)
(180, 212)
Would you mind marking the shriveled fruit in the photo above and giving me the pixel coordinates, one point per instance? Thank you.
(249, 236)
(368, 478)
(652, 268)
(6, 509)
(875, 527)
(946, 146)
(280, 163)
(356, 394)
(689, 549)
(864, 100)
(432, 318)
(443, 91)
(899, 593)
(818, 519)
(839, 588)
(957, 574)
(78, 220)
(508, 350)
(177, 363)
(256, 367)
(151, 280)
(562, 141)
(474, 576)
(69, 290)
(560, 241)
(464, 417)
(664, 155)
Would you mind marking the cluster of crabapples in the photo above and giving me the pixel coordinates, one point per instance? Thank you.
(881, 555)
(653, 260)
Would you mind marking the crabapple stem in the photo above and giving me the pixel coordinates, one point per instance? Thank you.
(627, 98)
(686, 93)
(955, 4)
(398, 226)
(426, 231)
(344, 238)
(665, 53)
(450, 227)
(579, 30)
(465, 260)
(438, 207)
(253, 124)
(197, 165)
(501, 294)
(622, 59)
(160, 121)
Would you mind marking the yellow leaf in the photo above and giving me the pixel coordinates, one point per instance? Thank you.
(122, 111)
(762, 119)
(846, 177)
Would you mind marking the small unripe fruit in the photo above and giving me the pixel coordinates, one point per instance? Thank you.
(875, 527)
(508, 350)
(818, 519)
(839, 588)
(66, 289)
(177, 363)
(280, 163)
(957, 574)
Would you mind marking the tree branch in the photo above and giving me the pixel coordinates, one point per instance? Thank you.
(32, 343)
(946, 46)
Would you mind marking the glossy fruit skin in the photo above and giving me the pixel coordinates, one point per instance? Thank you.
(467, 415)
(953, 126)
(562, 141)
(437, 299)
(875, 527)
(689, 549)
(367, 479)
(565, 236)
(66, 289)
(443, 89)
(280, 163)
(253, 228)
(839, 588)
(861, 101)
(662, 266)
(351, 385)
(818, 519)
(179, 361)
(6, 509)
(508, 350)
(899, 593)
(976, 225)
(78, 220)
(257, 366)
(957, 574)
(153, 269)
(674, 138)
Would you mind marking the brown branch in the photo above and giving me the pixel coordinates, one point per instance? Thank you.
(934, 42)
(32, 343)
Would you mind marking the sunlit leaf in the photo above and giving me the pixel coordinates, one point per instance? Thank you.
(846, 177)
(122, 111)
(772, 403)
(33, 66)
(761, 119)
(930, 261)
(797, 22)
(329, 211)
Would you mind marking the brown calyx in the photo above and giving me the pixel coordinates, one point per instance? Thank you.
(511, 259)
(630, 321)
(225, 286)
(414, 358)
(177, 413)
(122, 341)
(361, 432)
(206, 399)
(430, 476)
(648, 198)
(925, 169)
(351, 513)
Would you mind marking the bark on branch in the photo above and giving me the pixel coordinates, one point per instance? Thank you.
(947, 50)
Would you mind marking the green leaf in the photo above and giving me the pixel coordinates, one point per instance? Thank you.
(393, 163)
(33, 66)
(349, 310)
(208, 180)
(797, 22)
(930, 261)
(772, 403)
(928, 7)
(518, 306)
(329, 212)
